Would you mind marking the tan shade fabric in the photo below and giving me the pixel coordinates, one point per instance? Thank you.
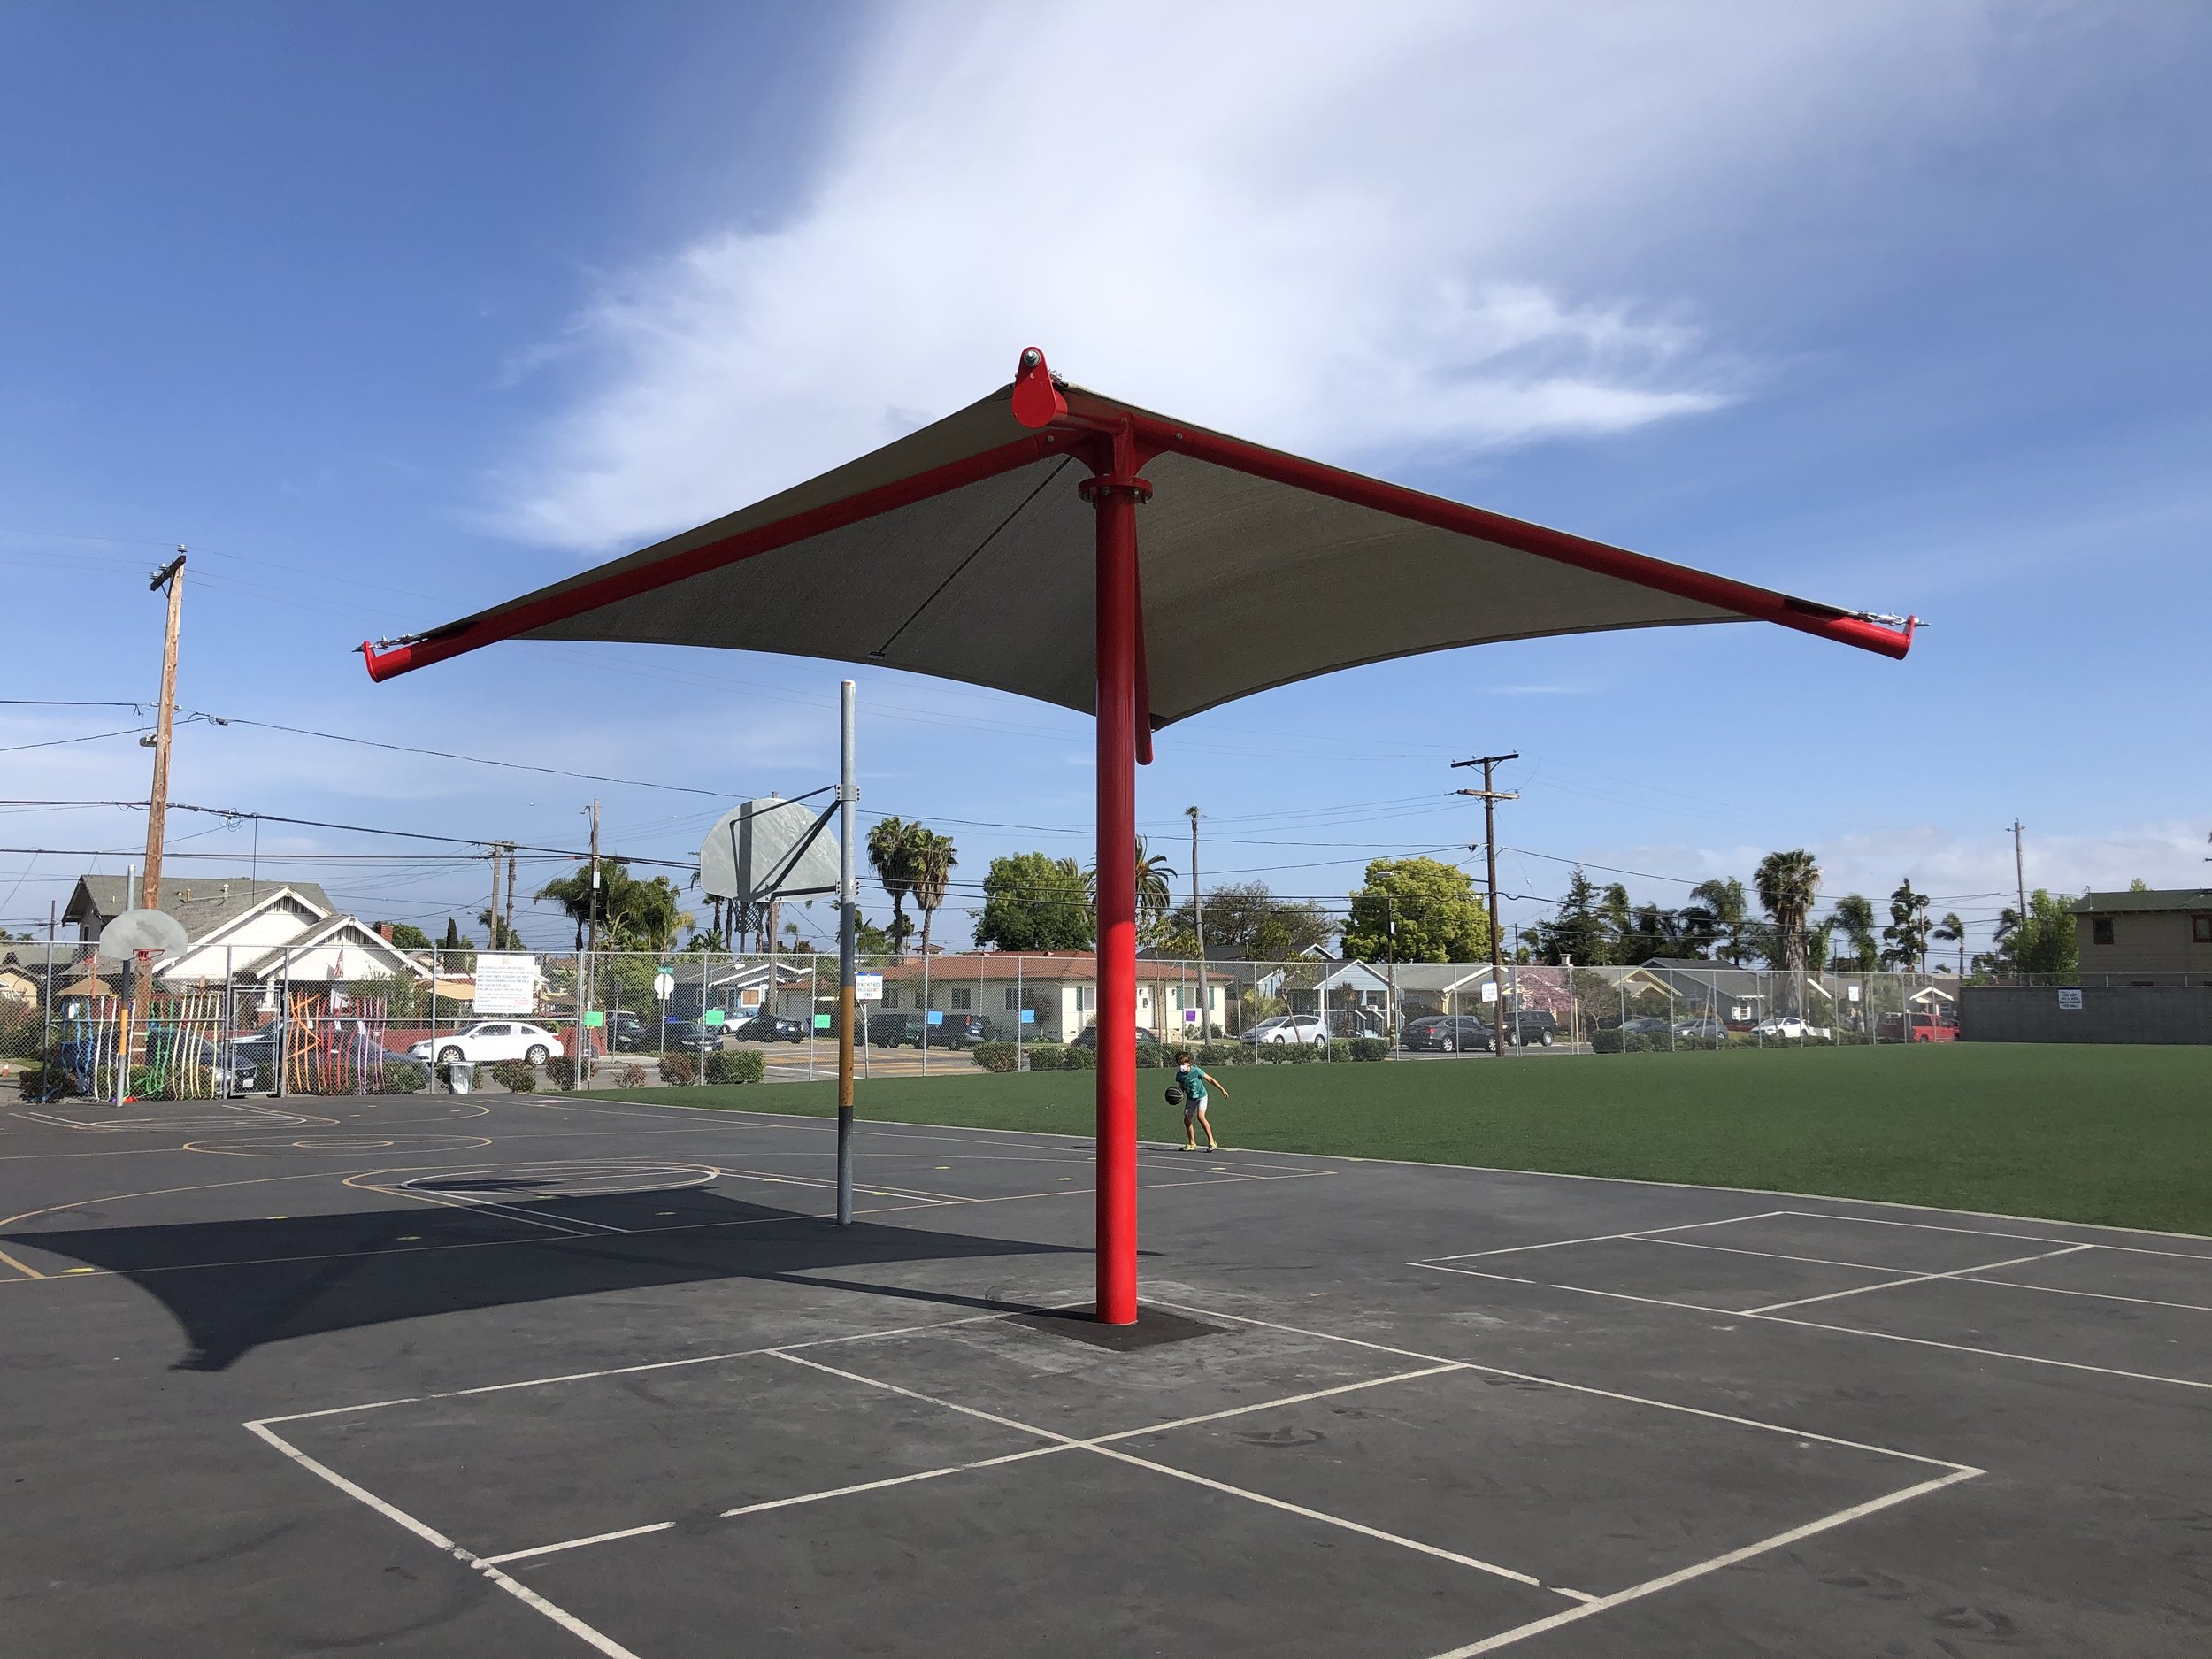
(1248, 582)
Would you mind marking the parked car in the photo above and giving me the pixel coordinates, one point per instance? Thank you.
(1706, 1029)
(1088, 1038)
(490, 1039)
(1290, 1028)
(771, 1028)
(1650, 1024)
(626, 1034)
(1448, 1033)
(691, 1036)
(267, 1047)
(960, 1030)
(894, 1031)
(1789, 1028)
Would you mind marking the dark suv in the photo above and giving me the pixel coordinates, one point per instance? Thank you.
(893, 1031)
(960, 1030)
(769, 1028)
(1537, 1026)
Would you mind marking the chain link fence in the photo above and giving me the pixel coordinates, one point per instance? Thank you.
(76, 1025)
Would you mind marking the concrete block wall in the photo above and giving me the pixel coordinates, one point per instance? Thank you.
(2109, 1013)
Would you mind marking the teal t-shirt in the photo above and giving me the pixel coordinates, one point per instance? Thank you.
(1191, 1081)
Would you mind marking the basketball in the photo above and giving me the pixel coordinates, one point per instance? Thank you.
(1174, 1095)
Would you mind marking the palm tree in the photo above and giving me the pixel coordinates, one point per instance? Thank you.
(891, 854)
(931, 857)
(1952, 931)
(1854, 914)
(1155, 897)
(1786, 884)
(1720, 907)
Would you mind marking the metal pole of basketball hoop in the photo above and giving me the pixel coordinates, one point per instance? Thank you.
(847, 949)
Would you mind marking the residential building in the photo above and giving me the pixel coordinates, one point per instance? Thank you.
(244, 930)
(2158, 936)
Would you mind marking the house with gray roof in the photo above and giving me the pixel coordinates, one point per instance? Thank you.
(242, 929)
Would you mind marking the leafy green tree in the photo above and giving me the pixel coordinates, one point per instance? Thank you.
(1246, 922)
(497, 930)
(633, 915)
(2047, 941)
(1439, 916)
(455, 955)
(1154, 895)
(1576, 932)
(1854, 917)
(1906, 934)
(1034, 901)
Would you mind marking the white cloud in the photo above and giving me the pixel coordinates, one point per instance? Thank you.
(1353, 230)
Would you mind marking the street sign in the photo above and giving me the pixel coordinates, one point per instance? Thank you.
(1489, 991)
(868, 987)
(821, 1022)
(663, 985)
(1190, 1016)
(714, 1017)
(594, 1018)
(2069, 998)
(936, 1017)
(1853, 991)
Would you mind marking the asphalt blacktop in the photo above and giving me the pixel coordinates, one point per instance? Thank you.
(529, 1376)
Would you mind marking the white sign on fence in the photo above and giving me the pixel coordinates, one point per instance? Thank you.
(868, 987)
(506, 984)
(2069, 998)
(1489, 991)
(1854, 992)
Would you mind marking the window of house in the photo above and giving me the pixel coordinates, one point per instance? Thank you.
(1013, 1000)
(2101, 930)
(961, 998)
(2201, 930)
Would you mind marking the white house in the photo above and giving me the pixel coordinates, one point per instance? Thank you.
(244, 930)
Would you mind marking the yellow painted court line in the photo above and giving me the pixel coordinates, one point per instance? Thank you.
(24, 1268)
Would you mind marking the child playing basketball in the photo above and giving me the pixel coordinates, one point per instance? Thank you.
(1194, 1085)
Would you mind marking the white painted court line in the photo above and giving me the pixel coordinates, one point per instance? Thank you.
(1101, 1446)
(1605, 1238)
(1919, 1279)
(1885, 1336)
(1585, 1388)
(2100, 1296)
(1652, 1586)
(575, 1543)
(1782, 1256)
(1049, 1450)
(522, 1593)
(1925, 1226)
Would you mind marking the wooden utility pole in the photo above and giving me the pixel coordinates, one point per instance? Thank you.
(510, 889)
(172, 576)
(2020, 875)
(1198, 927)
(1490, 797)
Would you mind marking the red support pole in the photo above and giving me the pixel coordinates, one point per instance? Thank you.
(1114, 497)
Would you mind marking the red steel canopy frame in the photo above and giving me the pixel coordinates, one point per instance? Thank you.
(946, 553)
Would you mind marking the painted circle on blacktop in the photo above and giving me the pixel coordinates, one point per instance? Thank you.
(510, 1183)
(335, 1146)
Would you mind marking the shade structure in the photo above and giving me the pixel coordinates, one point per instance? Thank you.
(1001, 546)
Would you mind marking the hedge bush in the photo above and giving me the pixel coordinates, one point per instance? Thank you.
(736, 1065)
(517, 1077)
(677, 1067)
(631, 1076)
(996, 1057)
(1366, 1049)
(561, 1071)
(45, 1082)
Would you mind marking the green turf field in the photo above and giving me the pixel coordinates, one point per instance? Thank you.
(2119, 1135)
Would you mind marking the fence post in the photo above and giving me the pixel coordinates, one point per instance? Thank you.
(1021, 1007)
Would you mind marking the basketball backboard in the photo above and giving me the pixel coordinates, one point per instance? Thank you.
(142, 935)
(769, 849)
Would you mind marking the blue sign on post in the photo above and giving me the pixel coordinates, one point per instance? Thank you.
(1029, 1017)
(936, 1017)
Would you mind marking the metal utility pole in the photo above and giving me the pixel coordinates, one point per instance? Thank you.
(848, 949)
(583, 968)
(1490, 797)
(172, 576)
(1198, 927)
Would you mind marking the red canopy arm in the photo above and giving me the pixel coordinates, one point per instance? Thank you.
(1806, 616)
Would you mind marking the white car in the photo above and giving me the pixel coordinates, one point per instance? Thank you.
(1789, 1028)
(1290, 1028)
(492, 1040)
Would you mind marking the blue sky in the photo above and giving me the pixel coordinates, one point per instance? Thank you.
(391, 311)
